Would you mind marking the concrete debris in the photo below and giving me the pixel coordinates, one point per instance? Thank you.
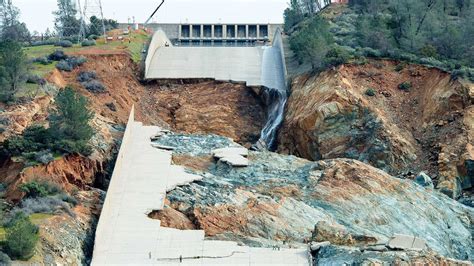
(234, 156)
(377, 248)
(163, 147)
(406, 242)
(232, 151)
(160, 134)
(235, 161)
(315, 246)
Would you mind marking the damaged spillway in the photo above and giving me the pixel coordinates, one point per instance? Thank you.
(275, 91)
(257, 66)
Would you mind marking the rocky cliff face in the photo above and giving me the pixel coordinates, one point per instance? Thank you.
(285, 200)
(427, 127)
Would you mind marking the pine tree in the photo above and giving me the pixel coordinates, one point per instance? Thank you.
(11, 28)
(66, 22)
(70, 122)
(13, 69)
(21, 238)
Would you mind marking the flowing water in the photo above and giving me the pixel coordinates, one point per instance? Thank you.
(275, 92)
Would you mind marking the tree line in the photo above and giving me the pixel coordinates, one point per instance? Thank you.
(442, 29)
(67, 23)
(434, 32)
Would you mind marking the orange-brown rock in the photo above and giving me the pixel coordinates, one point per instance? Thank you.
(69, 172)
(174, 219)
(223, 108)
(427, 128)
(16, 118)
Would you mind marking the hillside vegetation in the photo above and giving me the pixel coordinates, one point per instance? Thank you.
(430, 32)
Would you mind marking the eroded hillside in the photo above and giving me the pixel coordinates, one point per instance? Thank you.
(364, 112)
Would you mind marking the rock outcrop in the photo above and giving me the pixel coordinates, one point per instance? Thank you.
(284, 200)
(428, 128)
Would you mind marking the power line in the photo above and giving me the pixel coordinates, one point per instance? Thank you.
(91, 8)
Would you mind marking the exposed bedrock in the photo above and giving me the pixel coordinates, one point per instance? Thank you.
(429, 127)
(285, 200)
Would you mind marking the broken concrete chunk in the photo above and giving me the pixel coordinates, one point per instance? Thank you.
(406, 242)
(315, 246)
(232, 151)
(377, 248)
(163, 147)
(419, 244)
(160, 134)
(235, 160)
(234, 156)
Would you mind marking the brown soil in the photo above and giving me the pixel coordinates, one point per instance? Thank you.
(199, 164)
(430, 122)
(70, 173)
(226, 109)
(207, 107)
(231, 110)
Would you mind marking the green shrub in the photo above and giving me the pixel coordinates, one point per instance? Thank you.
(405, 86)
(43, 60)
(70, 63)
(430, 61)
(429, 51)
(71, 146)
(86, 43)
(408, 57)
(35, 138)
(57, 55)
(21, 238)
(369, 52)
(69, 131)
(64, 43)
(336, 56)
(36, 189)
(85, 76)
(311, 43)
(458, 73)
(94, 86)
(400, 67)
(370, 92)
(361, 60)
(69, 199)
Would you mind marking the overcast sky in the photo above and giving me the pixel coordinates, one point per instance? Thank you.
(37, 14)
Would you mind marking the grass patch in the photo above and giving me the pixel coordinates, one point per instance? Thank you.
(28, 90)
(36, 219)
(2, 234)
(42, 70)
(134, 48)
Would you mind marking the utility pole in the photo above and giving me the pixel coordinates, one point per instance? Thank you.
(91, 8)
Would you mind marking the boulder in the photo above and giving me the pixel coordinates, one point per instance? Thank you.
(424, 180)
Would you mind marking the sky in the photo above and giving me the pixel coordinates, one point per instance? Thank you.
(37, 14)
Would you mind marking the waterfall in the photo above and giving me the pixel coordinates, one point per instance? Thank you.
(276, 101)
(274, 92)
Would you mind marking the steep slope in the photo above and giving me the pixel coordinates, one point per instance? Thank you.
(283, 200)
(427, 127)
